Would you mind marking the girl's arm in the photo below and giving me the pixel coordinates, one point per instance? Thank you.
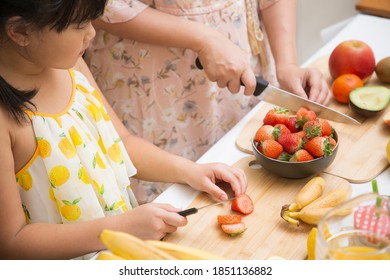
(223, 61)
(155, 164)
(19, 240)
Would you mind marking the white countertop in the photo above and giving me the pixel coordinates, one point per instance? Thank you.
(375, 31)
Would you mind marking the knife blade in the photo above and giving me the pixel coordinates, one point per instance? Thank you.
(271, 94)
(195, 210)
(285, 99)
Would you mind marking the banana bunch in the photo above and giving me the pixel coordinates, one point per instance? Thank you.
(124, 246)
(311, 203)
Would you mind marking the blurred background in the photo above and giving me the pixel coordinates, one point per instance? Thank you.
(318, 21)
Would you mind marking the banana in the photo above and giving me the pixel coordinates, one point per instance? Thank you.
(310, 191)
(183, 252)
(130, 247)
(310, 215)
(285, 214)
(103, 255)
(330, 199)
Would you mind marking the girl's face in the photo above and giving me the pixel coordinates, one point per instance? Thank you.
(49, 48)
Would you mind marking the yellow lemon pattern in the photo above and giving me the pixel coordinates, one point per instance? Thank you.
(75, 136)
(101, 145)
(98, 188)
(83, 175)
(71, 211)
(114, 153)
(95, 112)
(99, 161)
(26, 214)
(79, 171)
(25, 180)
(44, 147)
(59, 175)
(66, 147)
(51, 194)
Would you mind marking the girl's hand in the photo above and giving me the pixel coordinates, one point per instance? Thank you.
(306, 82)
(204, 177)
(152, 220)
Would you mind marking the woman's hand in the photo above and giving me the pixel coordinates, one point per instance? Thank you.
(306, 82)
(225, 63)
(204, 177)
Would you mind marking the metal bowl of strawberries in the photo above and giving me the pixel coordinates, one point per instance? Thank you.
(295, 145)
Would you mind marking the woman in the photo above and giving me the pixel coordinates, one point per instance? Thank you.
(143, 60)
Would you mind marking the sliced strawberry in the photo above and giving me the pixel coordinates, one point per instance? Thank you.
(243, 204)
(320, 146)
(270, 148)
(264, 133)
(301, 155)
(229, 219)
(292, 142)
(233, 229)
(276, 116)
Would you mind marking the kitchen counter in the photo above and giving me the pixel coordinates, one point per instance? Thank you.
(370, 29)
(374, 7)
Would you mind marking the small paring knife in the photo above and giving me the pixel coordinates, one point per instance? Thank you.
(195, 210)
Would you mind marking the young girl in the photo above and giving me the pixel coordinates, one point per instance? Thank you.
(64, 155)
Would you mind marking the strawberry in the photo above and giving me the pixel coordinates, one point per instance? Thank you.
(312, 128)
(301, 155)
(229, 219)
(332, 141)
(234, 229)
(280, 129)
(320, 146)
(264, 133)
(292, 142)
(326, 128)
(243, 204)
(270, 148)
(292, 124)
(303, 115)
(284, 156)
(276, 116)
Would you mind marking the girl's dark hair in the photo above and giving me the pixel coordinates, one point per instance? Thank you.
(56, 14)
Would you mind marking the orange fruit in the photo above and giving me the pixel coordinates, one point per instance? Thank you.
(343, 85)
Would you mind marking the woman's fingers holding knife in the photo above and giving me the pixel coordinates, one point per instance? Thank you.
(248, 80)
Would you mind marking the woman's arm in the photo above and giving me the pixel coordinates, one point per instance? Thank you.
(279, 20)
(223, 61)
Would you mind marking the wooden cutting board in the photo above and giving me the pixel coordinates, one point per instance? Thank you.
(267, 233)
(374, 7)
(362, 148)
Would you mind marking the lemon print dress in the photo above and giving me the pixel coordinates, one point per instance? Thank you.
(80, 170)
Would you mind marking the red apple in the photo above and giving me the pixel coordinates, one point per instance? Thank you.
(352, 57)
